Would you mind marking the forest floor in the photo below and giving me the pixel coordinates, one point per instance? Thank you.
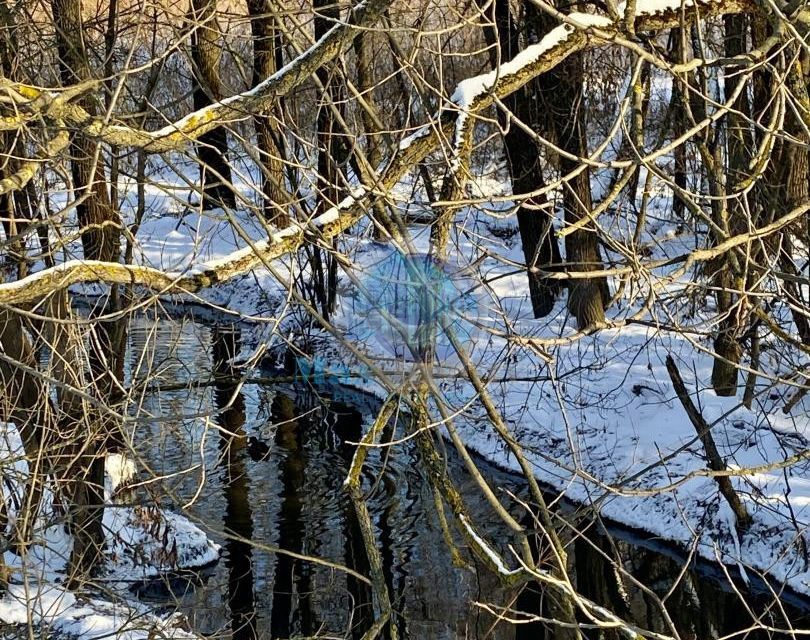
(596, 414)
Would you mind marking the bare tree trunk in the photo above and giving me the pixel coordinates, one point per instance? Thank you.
(727, 342)
(332, 153)
(15, 215)
(677, 127)
(109, 69)
(100, 222)
(212, 149)
(365, 84)
(713, 457)
(787, 178)
(540, 247)
(266, 61)
(403, 115)
(100, 239)
(587, 297)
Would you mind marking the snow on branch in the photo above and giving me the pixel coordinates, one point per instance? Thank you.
(480, 93)
(30, 102)
(326, 226)
(27, 170)
(579, 31)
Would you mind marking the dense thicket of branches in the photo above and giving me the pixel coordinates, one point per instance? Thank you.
(329, 124)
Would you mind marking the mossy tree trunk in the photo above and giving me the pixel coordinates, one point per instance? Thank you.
(15, 208)
(267, 59)
(101, 228)
(212, 147)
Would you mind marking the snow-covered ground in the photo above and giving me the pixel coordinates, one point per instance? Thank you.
(54, 612)
(141, 543)
(596, 414)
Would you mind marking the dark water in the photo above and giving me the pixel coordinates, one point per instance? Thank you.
(262, 466)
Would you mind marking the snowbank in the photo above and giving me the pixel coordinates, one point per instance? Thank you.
(141, 543)
(57, 613)
(602, 424)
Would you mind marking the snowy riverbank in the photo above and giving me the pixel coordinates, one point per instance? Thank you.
(141, 543)
(53, 612)
(596, 414)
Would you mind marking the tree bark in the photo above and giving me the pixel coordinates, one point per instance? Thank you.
(704, 433)
(564, 97)
(678, 128)
(540, 247)
(101, 241)
(212, 147)
(267, 58)
(730, 306)
(365, 84)
(99, 221)
(14, 208)
(787, 177)
(332, 156)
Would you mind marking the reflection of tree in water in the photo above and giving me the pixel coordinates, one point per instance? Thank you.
(106, 355)
(238, 521)
(698, 608)
(393, 513)
(596, 575)
(292, 574)
(347, 427)
(313, 516)
(693, 605)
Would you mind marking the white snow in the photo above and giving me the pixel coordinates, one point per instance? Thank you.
(333, 213)
(603, 425)
(653, 7)
(56, 612)
(598, 419)
(141, 543)
(489, 551)
(119, 470)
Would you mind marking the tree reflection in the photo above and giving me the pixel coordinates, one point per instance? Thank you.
(292, 575)
(238, 521)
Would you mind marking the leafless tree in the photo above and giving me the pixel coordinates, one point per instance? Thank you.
(650, 163)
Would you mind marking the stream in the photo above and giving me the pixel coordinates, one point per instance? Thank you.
(262, 467)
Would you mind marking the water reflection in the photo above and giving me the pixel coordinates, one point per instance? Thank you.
(238, 521)
(347, 427)
(291, 612)
(271, 471)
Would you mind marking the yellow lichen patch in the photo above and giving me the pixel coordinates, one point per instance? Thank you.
(195, 121)
(27, 91)
(11, 122)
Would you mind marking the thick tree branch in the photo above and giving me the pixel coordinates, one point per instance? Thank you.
(177, 135)
(546, 55)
